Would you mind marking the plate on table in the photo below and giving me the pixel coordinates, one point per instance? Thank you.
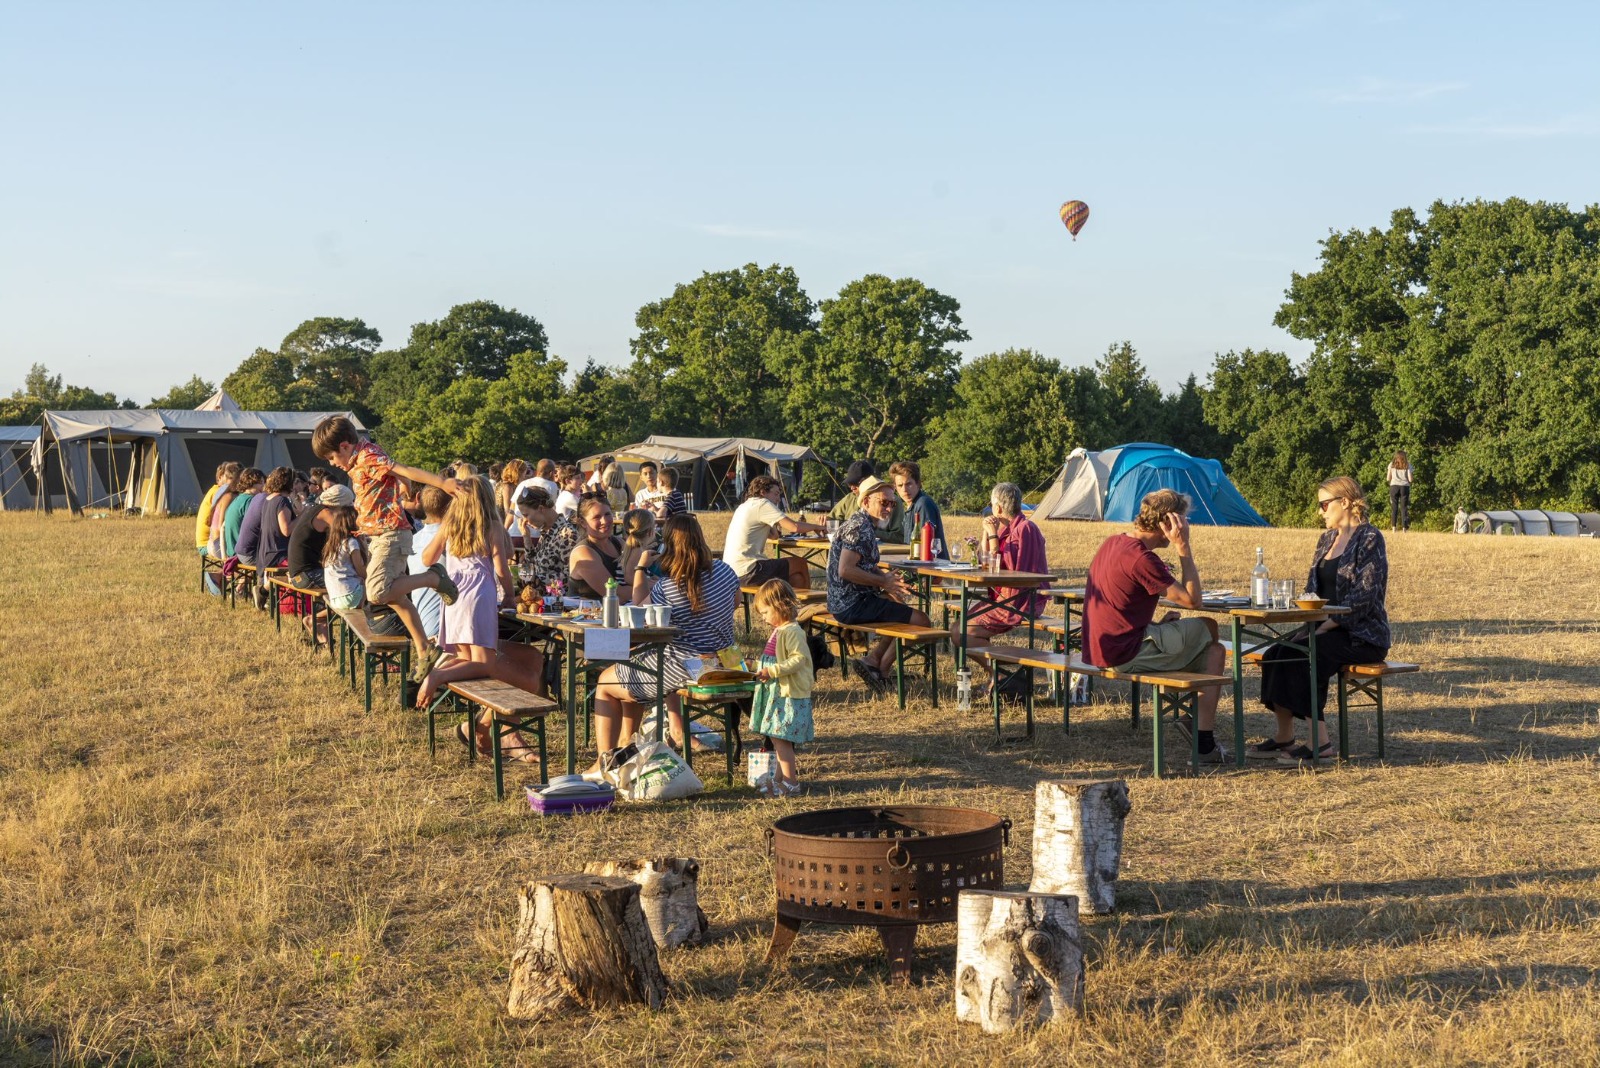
(1226, 602)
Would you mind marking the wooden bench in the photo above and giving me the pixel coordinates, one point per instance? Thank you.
(1009, 662)
(210, 567)
(1362, 681)
(281, 585)
(923, 640)
(1366, 681)
(379, 652)
(1175, 691)
(508, 707)
(747, 595)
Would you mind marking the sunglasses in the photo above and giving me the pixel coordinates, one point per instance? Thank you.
(1322, 506)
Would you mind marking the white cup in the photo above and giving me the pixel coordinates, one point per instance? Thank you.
(660, 615)
(636, 616)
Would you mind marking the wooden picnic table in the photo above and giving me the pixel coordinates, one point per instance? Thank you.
(1264, 628)
(976, 593)
(811, 548)
(569, 634)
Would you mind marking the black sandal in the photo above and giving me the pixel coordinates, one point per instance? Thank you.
(1268, 749)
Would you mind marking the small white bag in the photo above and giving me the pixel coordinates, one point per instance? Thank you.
(653, 772)
(761, 766)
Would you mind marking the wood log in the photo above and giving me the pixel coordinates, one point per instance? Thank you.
(668, 894)
(1077, 840)
(1019, 959)
(582, 943)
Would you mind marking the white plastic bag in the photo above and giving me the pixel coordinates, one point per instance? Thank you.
(653, 771)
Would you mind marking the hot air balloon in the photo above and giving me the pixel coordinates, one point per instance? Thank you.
(1074, 213)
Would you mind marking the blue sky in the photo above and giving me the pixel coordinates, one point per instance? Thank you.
(183, 183)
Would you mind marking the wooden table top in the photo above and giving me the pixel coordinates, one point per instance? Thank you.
(1251, 614)
(820, 542)
(1017, 580)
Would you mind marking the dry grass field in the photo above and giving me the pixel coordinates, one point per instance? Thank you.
(209, 855)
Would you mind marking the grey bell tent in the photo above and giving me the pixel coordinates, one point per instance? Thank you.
(161, 460)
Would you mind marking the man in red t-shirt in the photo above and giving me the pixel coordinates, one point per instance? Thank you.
(1127, 580)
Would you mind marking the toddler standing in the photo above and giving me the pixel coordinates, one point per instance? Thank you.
(781, 710)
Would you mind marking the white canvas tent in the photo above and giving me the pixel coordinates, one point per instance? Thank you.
(716, 469)
(161, 460)
(218, 402)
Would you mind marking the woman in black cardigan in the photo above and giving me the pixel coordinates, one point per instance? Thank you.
(1350, 568)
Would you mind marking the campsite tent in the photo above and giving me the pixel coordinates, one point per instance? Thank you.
(161, 459)
(717, 469)
(1110, 484)
(1533, 521)
(218, 402)
(17, 483)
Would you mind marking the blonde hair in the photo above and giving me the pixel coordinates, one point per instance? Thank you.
(778, 596)
(1347, 488)
(466, 524)
(638, 527)
(1157, 506)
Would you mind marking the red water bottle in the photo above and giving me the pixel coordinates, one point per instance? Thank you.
(927, 541)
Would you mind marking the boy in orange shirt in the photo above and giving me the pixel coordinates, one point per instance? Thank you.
(382, 520)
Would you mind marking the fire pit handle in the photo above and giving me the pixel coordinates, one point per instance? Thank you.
(905, 858)
(772, 836)
(1005, 832)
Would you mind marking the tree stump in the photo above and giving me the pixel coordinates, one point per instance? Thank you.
(668, 894)
(582, 943)
(1019, 960)
(1077, 840)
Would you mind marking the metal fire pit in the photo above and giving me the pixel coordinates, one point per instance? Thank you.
(892, 868)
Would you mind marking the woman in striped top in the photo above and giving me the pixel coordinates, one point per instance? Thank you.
(703, 594)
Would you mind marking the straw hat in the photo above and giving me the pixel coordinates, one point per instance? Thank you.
(872, 484)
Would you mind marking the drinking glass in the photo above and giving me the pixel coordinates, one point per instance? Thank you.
(955, 552)
(1283, 593)
(935, 546)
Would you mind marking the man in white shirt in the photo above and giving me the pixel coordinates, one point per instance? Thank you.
(544, 473)
(750, 529)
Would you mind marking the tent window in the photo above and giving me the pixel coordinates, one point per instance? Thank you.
(207, 454)
(300, 454)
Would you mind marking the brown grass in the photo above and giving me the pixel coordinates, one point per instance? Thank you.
(209, 855)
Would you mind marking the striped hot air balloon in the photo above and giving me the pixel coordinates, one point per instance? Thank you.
(1074, 213)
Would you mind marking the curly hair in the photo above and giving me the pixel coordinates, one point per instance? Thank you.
(1157, 506)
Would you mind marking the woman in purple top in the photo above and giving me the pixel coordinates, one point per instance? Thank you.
(1018, 545)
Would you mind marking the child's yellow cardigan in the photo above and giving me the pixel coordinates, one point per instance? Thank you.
(792, 670)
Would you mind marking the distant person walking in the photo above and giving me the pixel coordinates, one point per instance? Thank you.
(1399, 478)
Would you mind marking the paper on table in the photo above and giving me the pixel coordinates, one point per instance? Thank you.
(605, 643)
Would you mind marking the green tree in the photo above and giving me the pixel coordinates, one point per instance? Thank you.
(190, 394)
(1131, 405)
(261, 382)
(483, 420)
(710, 357)
(329, 359)
(603, 410)
(1015, 416)
(1469, 338)
(1186, 427)
(474, 340)
(44, 392)
(881, 370)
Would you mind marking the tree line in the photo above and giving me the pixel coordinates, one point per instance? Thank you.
(1465, 337)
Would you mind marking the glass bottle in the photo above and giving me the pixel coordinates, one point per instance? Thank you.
(1260, 589)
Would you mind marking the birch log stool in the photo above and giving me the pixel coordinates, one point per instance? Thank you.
(582, 943)
(1019, 960)
(1077, 840)
(668, 894)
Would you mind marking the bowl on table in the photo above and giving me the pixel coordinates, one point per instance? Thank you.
(1310, 602)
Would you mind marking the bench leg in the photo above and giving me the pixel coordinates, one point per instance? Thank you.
(844, 657)
(1134, 698)
(434, 712)
(1157, 731)
(366, 670)
(1377, 696)
(1344, 707)
(900, 672)
(499, 764)
(1027, 700)
(933, 672)
(405, 675)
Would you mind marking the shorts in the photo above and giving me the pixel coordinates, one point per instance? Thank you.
(1177, 646)
(386, 562)
(764, 571)
(878, 610)
(346, 602)
(311, 579)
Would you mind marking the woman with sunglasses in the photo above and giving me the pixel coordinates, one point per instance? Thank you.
(1349, 568)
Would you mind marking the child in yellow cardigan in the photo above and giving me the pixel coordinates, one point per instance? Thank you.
(782, 707)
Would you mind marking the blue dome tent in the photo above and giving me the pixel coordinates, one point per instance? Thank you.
(1110, 484)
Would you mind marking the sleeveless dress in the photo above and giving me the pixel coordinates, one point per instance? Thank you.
(474, 619)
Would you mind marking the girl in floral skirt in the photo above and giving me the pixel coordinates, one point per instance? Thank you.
(782, 707)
